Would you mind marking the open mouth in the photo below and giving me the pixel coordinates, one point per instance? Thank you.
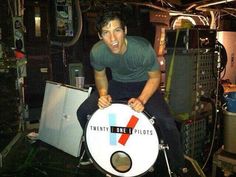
(114, 46)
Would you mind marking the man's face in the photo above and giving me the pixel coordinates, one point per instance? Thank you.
(113, 36)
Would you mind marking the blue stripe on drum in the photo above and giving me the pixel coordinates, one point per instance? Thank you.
(112, 122)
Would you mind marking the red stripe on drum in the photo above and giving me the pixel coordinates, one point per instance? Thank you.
(131, 124)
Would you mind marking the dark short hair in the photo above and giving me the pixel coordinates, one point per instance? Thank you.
(108, 15)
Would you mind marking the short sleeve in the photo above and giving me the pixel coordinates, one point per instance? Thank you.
(95, 62)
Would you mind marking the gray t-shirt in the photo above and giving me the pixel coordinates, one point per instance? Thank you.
(132, 66)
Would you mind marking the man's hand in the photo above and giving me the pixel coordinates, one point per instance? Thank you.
(136, 104)
(104, 101)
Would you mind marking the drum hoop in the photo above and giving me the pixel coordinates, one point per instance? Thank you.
(126, 103)
(92, 158)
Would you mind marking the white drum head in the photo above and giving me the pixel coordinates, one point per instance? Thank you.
(121, 141)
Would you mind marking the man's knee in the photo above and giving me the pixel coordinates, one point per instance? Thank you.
(82, 115)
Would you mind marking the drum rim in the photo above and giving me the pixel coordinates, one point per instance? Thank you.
(94, 161)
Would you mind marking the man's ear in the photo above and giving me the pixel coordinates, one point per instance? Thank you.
(125, 30)
(100, 37)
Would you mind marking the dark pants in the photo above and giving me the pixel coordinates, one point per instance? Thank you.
(156, 106)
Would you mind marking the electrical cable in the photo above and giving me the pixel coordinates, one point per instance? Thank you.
(10, 8)
(224, 72)
(215, 107)
(214, 128)
(223, 55)
(229, 13)
(221, 51)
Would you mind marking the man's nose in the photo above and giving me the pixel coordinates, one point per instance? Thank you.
(112, 37)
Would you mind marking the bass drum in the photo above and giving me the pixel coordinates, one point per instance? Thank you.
(121, 141)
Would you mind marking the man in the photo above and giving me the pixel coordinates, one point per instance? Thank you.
(136, 78)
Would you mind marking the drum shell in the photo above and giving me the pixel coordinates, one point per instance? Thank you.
(229, 131)
(142, 148)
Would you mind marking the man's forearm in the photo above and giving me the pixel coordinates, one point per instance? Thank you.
(151, 86)
(102, 88)
(101, 83)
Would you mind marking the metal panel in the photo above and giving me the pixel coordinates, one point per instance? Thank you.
(59, 126)
(193, 77)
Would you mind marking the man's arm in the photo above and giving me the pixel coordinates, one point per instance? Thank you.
(101, 82)
(150, 87)
(102, 87)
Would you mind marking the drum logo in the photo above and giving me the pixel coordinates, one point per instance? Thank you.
(126, 131)
(121, 134)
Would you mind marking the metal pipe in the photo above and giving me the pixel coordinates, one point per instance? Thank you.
(203, 7)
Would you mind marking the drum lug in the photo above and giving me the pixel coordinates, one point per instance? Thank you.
(88, 116)
(152, 120)
(164, 147)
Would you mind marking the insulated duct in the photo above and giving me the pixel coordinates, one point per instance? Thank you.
(79, 29)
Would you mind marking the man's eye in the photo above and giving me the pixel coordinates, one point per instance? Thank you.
(104, 33)
(119, 29)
